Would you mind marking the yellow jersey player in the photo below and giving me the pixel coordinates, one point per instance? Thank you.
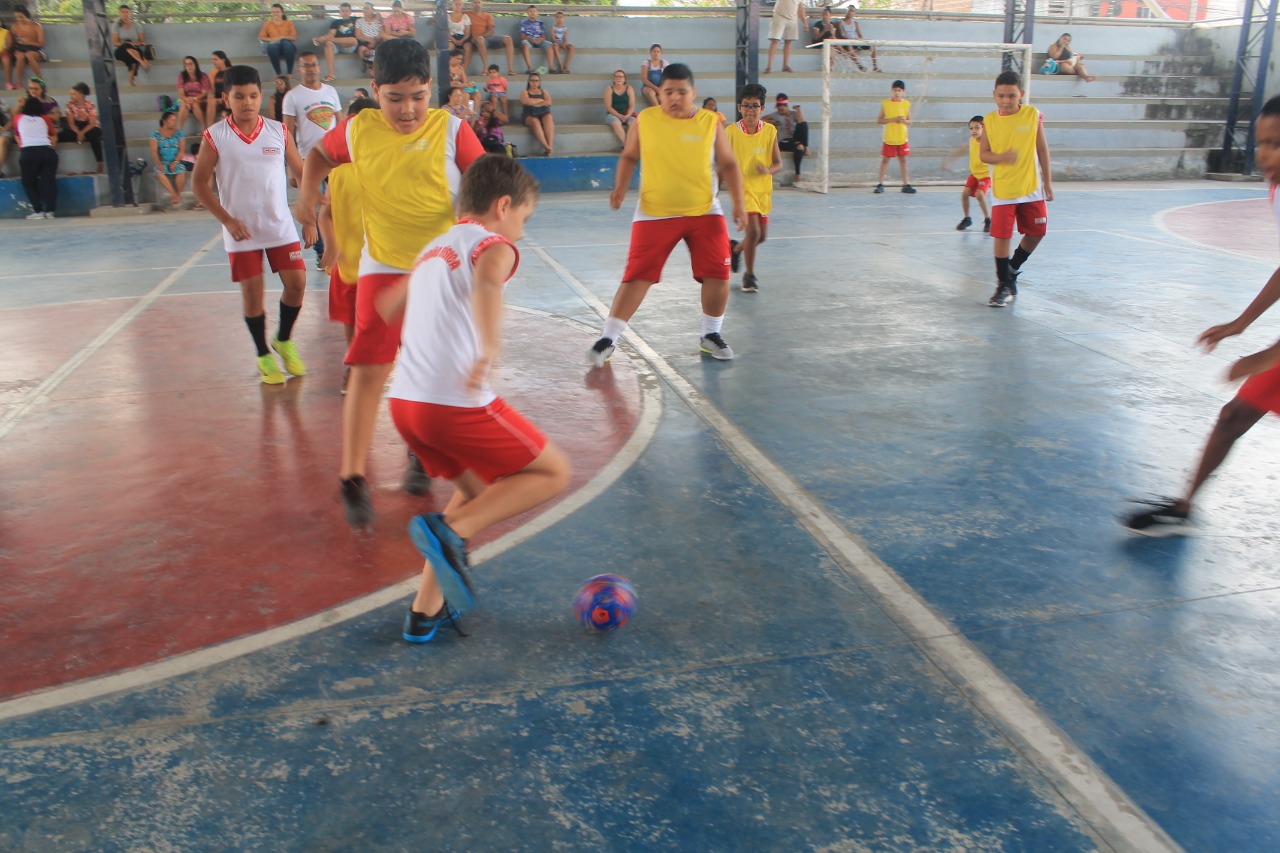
(895, 115)
(979, 181)
(755, 145)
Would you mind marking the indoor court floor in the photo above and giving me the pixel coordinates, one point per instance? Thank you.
(884, 603)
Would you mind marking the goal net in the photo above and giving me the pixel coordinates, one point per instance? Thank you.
(946, 82)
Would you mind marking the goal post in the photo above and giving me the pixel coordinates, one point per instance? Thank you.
(946, 82)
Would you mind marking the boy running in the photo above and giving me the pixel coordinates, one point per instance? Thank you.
(248, 154)
(979, 180)
(895, 115)
(1013, 144)
(1261, 391)
(755, 146)
(408, 160)
(441, 401)
(687, 154)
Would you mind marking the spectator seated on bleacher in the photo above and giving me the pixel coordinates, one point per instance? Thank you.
(620, 106)
(80, 122)
(215, 105)
(130, 44)
(495, 89)
(533, 33)
(561, 49)
(167, 154)
(193, 92)
(651, 74)
(459, 27)
(851, 29)
(483, 38)
(456, 103)
(488, 128)
(28, 44)
(1067, 62)
(399, 24)
(339, 38)
(36, 89)
(277, 97)
(457, 73)
(793, 130)
(535, 105)
(368, 34)
(6, 133)
(279, 38)
(6, 55)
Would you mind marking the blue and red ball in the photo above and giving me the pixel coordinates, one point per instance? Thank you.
(605, 602)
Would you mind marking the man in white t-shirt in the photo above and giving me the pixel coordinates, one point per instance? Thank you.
(785, 28)
(310, 111)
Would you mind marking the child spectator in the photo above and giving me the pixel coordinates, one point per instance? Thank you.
(561, 49)
(895, 116)
(620, 106)
(755, 145)
(536, 113)
(533, 33)
(793, 130)
(28, 43)
(339, 38)
(193, 92)
(277, 98)
(651, 74)
(216, 107)
(979, 180)
(368, 34)
(686, 154)
(249, 154)
(483, 38)
(1261, 371)
(441, 399)
(457, 74)
(488, 128)
(80, 124)
(1013, 144)
(37, 157)
(166, 153)
(495, 88)
(279, 39)
(710, 105)
(130, 43)
(408, 159)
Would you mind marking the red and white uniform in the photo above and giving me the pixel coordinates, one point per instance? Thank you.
(253, 184)
(439, 344)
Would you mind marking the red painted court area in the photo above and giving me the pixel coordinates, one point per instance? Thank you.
(1245, 226)
(163, 499)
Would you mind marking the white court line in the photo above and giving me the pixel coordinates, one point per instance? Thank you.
(1099, 801)
(646, 426)
(1159, 222)
(73, 273)
(51, 382)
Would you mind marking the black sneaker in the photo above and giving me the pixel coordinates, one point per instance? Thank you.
(715, 346)
(447, 552)
(879, 188)
(600, 353)
(750, 284)
(986, 225)
(416, 481)
(357, 501)
(420, 628)
(964, 224)
(908, 189)
(735, 260)
(1162, 519)
(1004, 295)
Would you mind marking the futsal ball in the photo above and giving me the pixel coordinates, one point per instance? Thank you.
(605, 602)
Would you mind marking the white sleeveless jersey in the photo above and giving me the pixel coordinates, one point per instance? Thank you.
(253, 183)
(438, 343)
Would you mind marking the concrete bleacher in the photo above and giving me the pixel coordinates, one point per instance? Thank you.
(1155, 111)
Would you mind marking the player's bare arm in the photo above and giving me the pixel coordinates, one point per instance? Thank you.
(1042, 154)
(1259, 362)
(730, 176)
(1264, 300)
(986, 155)
(314, 170)
(490, 273)
(627, 162)
(202, 186)
(332, 254)
(776, 166)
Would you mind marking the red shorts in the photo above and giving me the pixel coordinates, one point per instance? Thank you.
(342, 300)
(375, 340)
(653, 239)
(887, 150)
(247, 265)
(975, 185)
(763, 217)
(494, 441)
(1032, 218)
(1262, 391)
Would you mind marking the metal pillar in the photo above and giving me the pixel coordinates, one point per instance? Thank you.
(747, 53)
(1018, 31)
(115, 152)
(1244, 55)
(441, 40)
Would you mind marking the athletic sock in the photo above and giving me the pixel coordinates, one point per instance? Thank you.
(1002, 269)
(711, 325)
(258, 329)
(613, 329)
(1019, 258)
(288, 314)
(797, 156)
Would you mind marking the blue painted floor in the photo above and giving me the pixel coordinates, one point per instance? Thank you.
(775, 690)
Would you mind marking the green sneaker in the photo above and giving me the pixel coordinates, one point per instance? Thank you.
(289, 355)
(271, 374)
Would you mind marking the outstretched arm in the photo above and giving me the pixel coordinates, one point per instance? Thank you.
(1264, 300)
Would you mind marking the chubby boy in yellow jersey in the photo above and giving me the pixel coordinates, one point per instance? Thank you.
(1013, 144)
(686, 155)
(895, 115)
(755, 145)
(409, 160)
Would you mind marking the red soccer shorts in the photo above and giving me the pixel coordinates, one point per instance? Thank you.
(903, 150)
(342, 299)
(975, 185)
(653, 239)
(1032, 218)
(375, 340)
(494, 441)
(763, 217)
(1262, 391)
(248, 264)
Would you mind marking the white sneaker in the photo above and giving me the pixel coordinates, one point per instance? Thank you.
(715, 346)
(35, 216)
(48, 214)
(600, 353)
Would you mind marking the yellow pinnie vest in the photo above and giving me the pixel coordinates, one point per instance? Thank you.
(347, 206)
(895, 134)
(676, 163)
(977, 168)
(1017, 132)
(751, 150)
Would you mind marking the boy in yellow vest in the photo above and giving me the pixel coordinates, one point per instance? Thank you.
(686, 154)
(755, 145)
(408, 160)
(895, 115)
(1013, 144)
(979, 180)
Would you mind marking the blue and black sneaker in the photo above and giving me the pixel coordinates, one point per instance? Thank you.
(420, 628)
(447, 552)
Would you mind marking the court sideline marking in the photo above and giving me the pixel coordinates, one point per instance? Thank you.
(1118, 822)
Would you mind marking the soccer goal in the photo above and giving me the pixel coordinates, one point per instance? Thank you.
(947, 82)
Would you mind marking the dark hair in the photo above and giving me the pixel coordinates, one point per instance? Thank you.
(655, 44)
(21, 10)
(365, 95)
(706, 101)
(360, 104)
(751, 90)
(978, 119)
(401, 61)
(340, 5)
(222, 54)
(164, 115)
(677, 71)
(490, 178)
(195, 62)
(241, 75)
(1009, 78)
(310, 53)
(1271, 107)
(494, 68)
(457, 51)
(82, 88)
(283, 14)
(44, 88)
(448, 92)
(32, 107)
(898, 84)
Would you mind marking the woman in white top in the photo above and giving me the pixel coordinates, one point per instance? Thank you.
(459, 27)
(38, 158)
(130, 43)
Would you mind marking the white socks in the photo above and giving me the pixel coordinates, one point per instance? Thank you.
(613, 329)
(711, 325)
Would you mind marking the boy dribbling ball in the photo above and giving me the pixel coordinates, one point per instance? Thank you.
(441, 399)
